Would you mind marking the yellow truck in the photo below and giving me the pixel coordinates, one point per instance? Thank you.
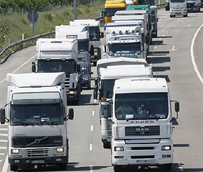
(111, 7)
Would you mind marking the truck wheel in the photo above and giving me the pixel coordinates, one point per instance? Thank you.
(117, 168)
(166, 167)
(106, 145)
(185, 15)
(63, 166)
(13, 167)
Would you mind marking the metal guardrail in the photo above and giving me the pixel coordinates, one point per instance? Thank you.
(9, 50)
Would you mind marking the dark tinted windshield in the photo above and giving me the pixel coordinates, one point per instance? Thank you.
(46, 114)
(116, 48)
(83, 45)
(94, 33)
(141, 106)
(107, 88)
(177, 1)
(67, 66)
(109, 12)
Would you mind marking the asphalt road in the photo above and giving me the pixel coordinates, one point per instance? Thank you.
(171, 58)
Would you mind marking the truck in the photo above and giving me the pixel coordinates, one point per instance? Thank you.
(124, 41)
(167, 5)
(111, 6)
(81, 33)
(108, 71)
(60, 55)
(193, 5)
(95, 36)
(133, 18)
(178, 8)
(146, 8)
(37, 117)
(141, 123)
(154, 19)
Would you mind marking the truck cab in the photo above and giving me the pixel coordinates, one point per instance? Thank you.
(37, 116)
(95, 36)
(141, 123)
(178, 7)
(108, 71)
(60, 55)
(193, 5)
(111, 6)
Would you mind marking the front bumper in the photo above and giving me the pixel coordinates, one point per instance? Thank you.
(36, 161)
(178, 12)
(141, 154)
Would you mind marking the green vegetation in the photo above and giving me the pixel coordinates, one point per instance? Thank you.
(14, 24)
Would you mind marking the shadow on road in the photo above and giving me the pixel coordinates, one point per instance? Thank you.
(181, 145)
(164, 37)
(86, 168)
(160, 68)
(193, 169)
(157, 42)
(156, 60)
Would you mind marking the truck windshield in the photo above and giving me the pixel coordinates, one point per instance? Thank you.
(177, 1)
(94, 33)
(109, 12)
(140, 106)
(107, 88)
(67, 66)
(37, 114)
(117, 48)
(83, 45)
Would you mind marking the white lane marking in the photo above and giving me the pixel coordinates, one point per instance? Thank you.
(2, 154)
(173, 48)
(193, 57)
(189, 25)
(92, 127)
(180, 167)
(159, 39)
(163, 35)
(3, 129)
(19, 68)
(91, 168)
(162, 25)
(4, 148)
(93, 112)
(90, 147)
(3, 141)
(3, 134)
(5, 167)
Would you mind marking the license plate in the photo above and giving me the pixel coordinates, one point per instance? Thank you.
(146, 161)
(38, 162)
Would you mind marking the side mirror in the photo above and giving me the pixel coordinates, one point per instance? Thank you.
(33, 67)
(95, 92)
(101, 34)
(101, 13)
(177, 107)
(78, 68)
(71, 114)
(2, 116)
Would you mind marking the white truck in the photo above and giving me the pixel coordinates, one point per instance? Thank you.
(141, 123)
(125, 41)
(178, 7)
(60, 55)
(95, 36)
(81, 33)
(109, 70)
(37, 120)
(193, 5)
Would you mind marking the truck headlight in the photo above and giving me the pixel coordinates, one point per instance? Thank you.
(166, 148)
(73, 92)
(95, 52)
(59, 150)
(15, 151)
(118, 148)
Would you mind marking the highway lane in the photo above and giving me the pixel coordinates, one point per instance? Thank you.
(86, 151)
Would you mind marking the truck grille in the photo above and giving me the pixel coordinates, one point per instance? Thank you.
(37, 152)
(142, 148)
(37, 141)
(142, 131)
(190, 5)
(142, 157)
(67, 83)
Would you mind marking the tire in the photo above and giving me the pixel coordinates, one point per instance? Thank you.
(94, 63)
(106, 145)
(13, 167)
(63, 166)
(185, 15)
(117, 168)
(166, 167)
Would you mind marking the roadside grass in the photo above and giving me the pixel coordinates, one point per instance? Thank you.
(19, 24)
